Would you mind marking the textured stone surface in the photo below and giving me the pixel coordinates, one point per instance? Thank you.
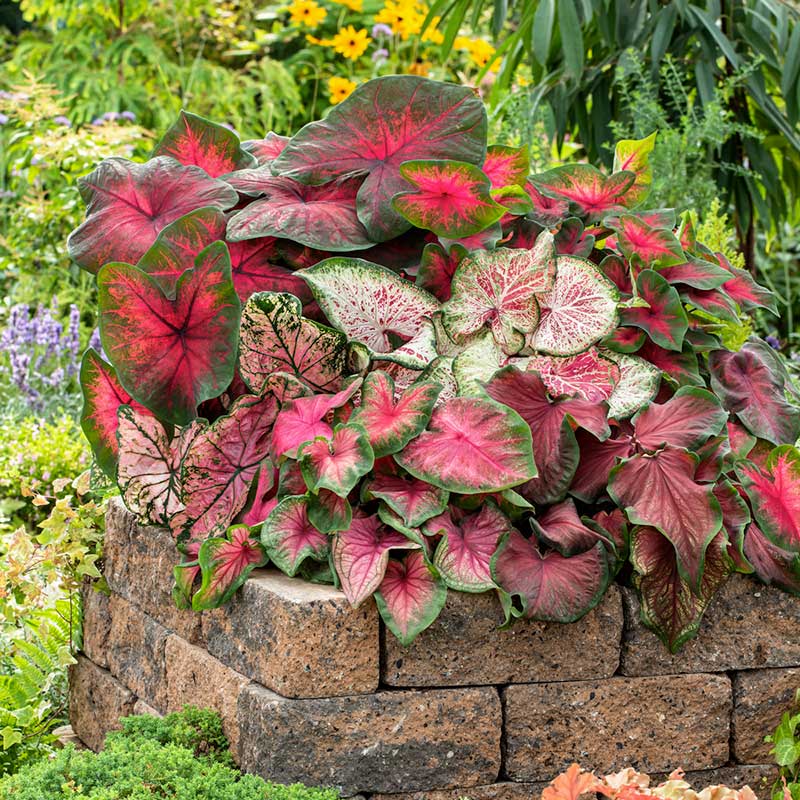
(464, 646)
(651, 723)
(757, 776)
(760, 699)
(507, 790)
(96, 702)
(138, 565)
(196, 678)
(140, 707)
(136, 652)
(733, 634)
(385, 742)
(297, 638)
(96, 624)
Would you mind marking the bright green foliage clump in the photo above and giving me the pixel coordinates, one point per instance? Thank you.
(786, 750)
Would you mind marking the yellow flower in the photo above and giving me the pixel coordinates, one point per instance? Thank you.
(462, 43)
(420, 67)
(350, 42)
(480, 52)
(314, 40)
(402, 16)
(306, 12)
(432, 33)
(353, 5)
(339, 89)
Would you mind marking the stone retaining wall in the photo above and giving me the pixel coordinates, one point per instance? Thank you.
(310, 690)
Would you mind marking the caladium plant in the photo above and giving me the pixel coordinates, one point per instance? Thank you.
(382, 354)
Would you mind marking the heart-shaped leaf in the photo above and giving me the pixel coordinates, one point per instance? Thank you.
(698, 273)
(682, 368)
(561, 528)
(254, 270)
(507, 166)
(744, 290)
(772, 564)
(590, 193)
(437, 268)
(596, 462)
(652, 246)
(415, 501)
(588, 375)
(631, 155)
(663, 319)
(547, 211)
(336, 463)
(289, 537)
(267, 149)
(637, 385)
(328, 512)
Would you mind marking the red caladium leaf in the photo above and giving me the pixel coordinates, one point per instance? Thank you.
(323, 217)
(254, 270)
(171, 354)
(596, 462)
(276, 338)
(664, 320)
(471, 446)
(735, 519)
(371, 304)
(590, 193)
(328, 512)
(225, 563)
(772, 564)
(212, 147)
(618, 271)
(571, 240)
(744, 290)
(263, 497)
(128, 204)
(289, 537)
(361, 553)
(337, 463)
(419, 119)
(410, 597)
(579, 309)
(185, 575)
(415, 501)
(631, 155)
(682, 368)
(697, 273)
(552, 588)
(637, 385)
(266, 149)
(547, 211)
(437, 268)
(452, 198)
(659, 491)
(714, 301)
(652, 246)
(560, 527)
(624, 340)
(507, 166)
(392, 422)
(588, 375)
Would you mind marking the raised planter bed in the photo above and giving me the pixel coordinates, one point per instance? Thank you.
(310, 690)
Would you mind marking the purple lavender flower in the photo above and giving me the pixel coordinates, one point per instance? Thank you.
(379, 29)
(62, 120)
(3, 118)
(110, 116)
(773, 342)
(94, 340)
(98, 121)
(380, 55)
(129, 115)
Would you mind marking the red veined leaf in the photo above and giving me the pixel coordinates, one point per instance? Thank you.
(588, 375)
(515, 201)
(712, 457)
(596, 462)
(774, 493)
(225, 564)
(413, 500)
(476, 364)
(631, 155)
(637, 385)
(328, 512)
(570, 785)
(336, 463)
(687, 420)
(579, 309)
(419, 119)
(560, 527)
(416, 353)
(571, 240)
(276, 338)
(360, 555)
(185, 575)
(507, 166)
(686, 232)
(149, 469)
(266, 149)
(289, 537)
(744, 290)
(127, 204)
(254, 270)
(471, 446)
(263, 496)
(392, 422)
(735, 519)
(665, 320)
(653, 246)
(485, 240)
(671, 606)
(437, 268)
(660, 491)
(410, 597)
(371, 304)
(697, 272)
(547, 211)
(323, 217)
(212, 147)
(618, 271)
(395, 521)
(772, 564)
(682, 368)
(613, 525)
(452, 198)
(624, 340)
(590, 193)
(552, 588)
(171, 354)
(713, 301)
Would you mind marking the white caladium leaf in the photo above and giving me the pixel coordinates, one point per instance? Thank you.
(416, 353)
(476, 364)
(589, 375)
(637, 385)
(441, 371)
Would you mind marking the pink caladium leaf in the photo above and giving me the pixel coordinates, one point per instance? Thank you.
(579, 309)
(419, 119)
(225, 563)
(267, 149)
(561, 528)
(596, 462)
(413, 500)
(185, 575)
(631, 155)
(507, 166)
(660, 491)
(263, 498)
(589, 192)
(652, 246)
(451, 198)
(551, 588)
(323, 217)
(276, 338)
(392, 421)
(149, 469)
(571, 239)
(128, 204)
(664, 319)
(618, 271)
(410, 596)
(736, 518)
(254, 270)
(715, 302)
(437, 268)
(589, 375)
(328, 512)
(370, 303)
(289, 537)
(193, 140)
(171, 354)
(337, 462)
(637, 385)
(471, 446)
(772, 564)
(361, 553)
(681, 368)
(547, 211)
(697, 272)
(670, 605)
(744, 290)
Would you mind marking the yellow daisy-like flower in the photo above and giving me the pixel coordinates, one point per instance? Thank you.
(401, 16)
(306, 12)
(420, 67)
(432, 33)
(462, 43)
(481, 53)
(351, 43)
(353, 5)
(339, 89)
(314, 40)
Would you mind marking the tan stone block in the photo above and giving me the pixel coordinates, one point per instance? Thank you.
(96, 702)
(465, 648)
(96, 624)
(653, 724)
(758, 777)
(297, 638)
(140, 708)
(385, 742)
(508, 790)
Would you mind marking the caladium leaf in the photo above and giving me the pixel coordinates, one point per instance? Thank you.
(735, 519)
(618, 271)
(652, 246)
(391, 421)
(476, 364)
(664, 319)
(571, 240)
(579, 309)
(212, 147)
(507, 166)
(254, 271)
(715, 302)
(452, 198)
(267, 149)
(419, 119)
(437, 268)
(128, 204)
(637, 385)
(371, 304)
(588, 375)
(471, 446)
(171, 354)
(226, 563)
(328, 512)
(772, 564)
(413, 500)
(185, 575)
(552, 588)
(590, 193)
(697, 272)
(596, 462)
(744, 290)
(681, 368)
(289, 537)
(410, 597)
(416, 353)
(631, 155)
(624, 340)
(276, 338)
(263, 498)
(561, 528)
(337, 462)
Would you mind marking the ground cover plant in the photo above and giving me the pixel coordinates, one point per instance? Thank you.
(380, 354)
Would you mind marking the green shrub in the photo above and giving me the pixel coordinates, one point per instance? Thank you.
(786, 750)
